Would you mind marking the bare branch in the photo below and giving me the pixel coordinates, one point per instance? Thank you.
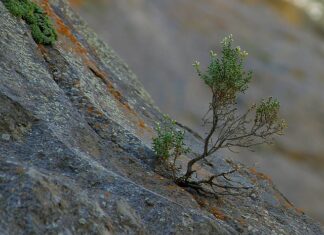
(227, 127)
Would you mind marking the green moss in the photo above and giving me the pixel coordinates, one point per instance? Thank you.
(41, 27)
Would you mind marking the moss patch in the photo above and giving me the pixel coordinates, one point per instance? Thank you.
(42, 28)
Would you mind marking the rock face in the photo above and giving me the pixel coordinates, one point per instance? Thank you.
(75, 155)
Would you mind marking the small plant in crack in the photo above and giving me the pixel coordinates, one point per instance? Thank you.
(228, 127)
(41, 26)
(169, 145)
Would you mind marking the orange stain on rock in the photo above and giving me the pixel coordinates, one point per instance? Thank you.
(93, 110)
(115, 93)
(288, 205)
(119, 97)
(142, 124)
(77, 47)
(90, 109)
(300, 211)
(97, 126)
(201, 202)
(62, 28)
(260, 175)
(82, 52)
(242, 221)
(218, 214)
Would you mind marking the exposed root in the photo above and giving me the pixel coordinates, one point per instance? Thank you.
(210, 187)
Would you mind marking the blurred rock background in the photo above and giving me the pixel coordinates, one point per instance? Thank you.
(160, 39)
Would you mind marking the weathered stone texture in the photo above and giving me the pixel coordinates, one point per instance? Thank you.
(75, 130)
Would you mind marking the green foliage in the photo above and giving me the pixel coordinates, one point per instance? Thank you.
(226, 78)
(267, 114)
(225, 75)
(42, 28)
(227, 126)
(169, 142)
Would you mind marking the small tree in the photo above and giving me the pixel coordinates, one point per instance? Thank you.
(229, 128)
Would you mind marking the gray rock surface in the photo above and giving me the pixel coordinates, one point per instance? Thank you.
(75, 153)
